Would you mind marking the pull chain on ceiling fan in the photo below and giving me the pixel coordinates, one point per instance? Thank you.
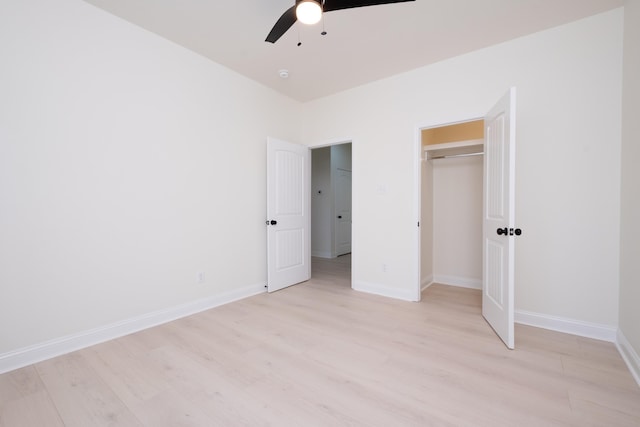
(310, 12)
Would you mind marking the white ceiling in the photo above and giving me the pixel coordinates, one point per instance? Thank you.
(362, 44)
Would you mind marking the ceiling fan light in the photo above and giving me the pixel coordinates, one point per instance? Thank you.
(309, 12)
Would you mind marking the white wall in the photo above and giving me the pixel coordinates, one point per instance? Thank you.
(341, 157)
(340, 161)
(457, 221)
(630, 205)
(117, 147)
(426, 221)
(567, 200)
(321, 203)
(127, 165)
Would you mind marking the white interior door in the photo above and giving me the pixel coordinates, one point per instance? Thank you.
(498, 218)
(343, 211)
(288, 214)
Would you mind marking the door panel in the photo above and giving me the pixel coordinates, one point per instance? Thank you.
(288, 214)
(498, 213)
(495, 279)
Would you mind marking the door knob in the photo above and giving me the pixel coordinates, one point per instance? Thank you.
(339, 216)
(509, 231)
(517, 232)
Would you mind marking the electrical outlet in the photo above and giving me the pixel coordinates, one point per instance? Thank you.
(384, 268)
(200, 277)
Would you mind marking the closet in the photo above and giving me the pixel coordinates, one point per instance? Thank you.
(451, 199)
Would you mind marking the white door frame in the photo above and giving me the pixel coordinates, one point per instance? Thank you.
(340, 141)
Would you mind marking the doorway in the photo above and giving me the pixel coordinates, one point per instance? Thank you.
(451, 199)
(331, 205)
(498, 209)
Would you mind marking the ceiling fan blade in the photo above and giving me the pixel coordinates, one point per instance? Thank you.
(330, 5)
(284, 23)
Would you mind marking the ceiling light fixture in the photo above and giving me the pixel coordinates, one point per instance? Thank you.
(309, 12)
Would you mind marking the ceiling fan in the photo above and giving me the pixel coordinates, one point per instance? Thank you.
(310, 12)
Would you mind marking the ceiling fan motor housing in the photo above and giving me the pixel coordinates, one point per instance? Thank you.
(308, 11)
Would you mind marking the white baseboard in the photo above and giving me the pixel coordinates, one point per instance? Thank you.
(461, 282)
(385, 291)
(569, 326)
(426, 282)
(49, 349)
(629, 355)
(322, 254)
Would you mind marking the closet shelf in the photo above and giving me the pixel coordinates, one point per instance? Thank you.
(451, 149)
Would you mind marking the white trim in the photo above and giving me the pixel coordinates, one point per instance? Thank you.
(629, 355)
(426, 282)
(417, 212)
(385, 291)
(37, 353)
(570, 326)
(330, 142)
(461, 282)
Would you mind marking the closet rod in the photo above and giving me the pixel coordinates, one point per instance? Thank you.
(456, 155)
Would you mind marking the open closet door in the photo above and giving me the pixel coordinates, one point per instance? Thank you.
(288, 214)
(498, 218)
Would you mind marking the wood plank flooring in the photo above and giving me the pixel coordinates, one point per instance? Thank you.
(321, 354)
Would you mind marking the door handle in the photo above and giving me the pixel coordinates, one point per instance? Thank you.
(339, 216)
(272, 222)
(509, 231)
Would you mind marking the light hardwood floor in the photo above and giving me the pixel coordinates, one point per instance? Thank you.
(321, 354)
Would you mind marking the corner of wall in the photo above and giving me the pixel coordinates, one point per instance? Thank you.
(385, 291)
(629, 295)
(629, 355)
